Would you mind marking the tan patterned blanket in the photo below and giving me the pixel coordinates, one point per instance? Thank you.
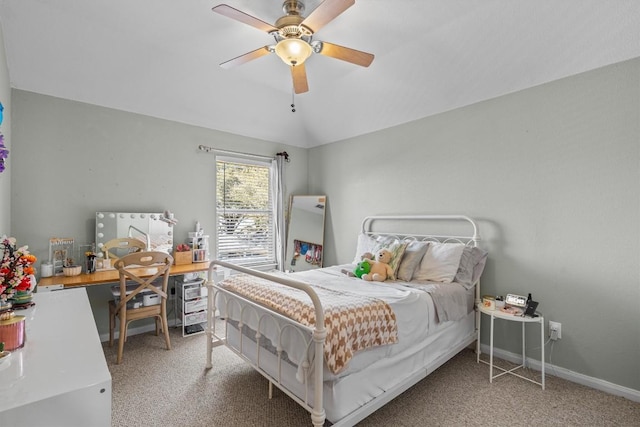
(353, 322)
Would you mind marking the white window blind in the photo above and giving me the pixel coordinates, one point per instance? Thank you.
(244, 209)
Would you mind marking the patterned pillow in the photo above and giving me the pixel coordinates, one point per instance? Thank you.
(397, 248)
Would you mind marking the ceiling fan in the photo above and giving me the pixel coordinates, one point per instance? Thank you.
(293, 34)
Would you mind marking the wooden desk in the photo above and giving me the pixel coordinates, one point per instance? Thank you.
(111, 275)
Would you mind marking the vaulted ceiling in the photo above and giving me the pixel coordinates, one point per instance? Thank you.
(161, 58)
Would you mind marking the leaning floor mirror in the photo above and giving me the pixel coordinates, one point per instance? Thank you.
(305, 235)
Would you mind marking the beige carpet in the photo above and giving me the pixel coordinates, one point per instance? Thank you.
(156, 387)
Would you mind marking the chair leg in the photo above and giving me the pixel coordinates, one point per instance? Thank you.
(165, 323)
(112, 324)
(123, 336)
(165, 328)
(126, 331)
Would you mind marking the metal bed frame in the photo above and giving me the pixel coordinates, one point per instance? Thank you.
(314, 337)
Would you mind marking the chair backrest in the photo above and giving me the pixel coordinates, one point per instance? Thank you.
(158, 262)
(115, 248)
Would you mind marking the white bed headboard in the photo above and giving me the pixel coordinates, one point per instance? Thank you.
(472, 238)
(470, 235)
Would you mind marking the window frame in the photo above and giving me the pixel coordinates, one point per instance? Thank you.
(269, 260)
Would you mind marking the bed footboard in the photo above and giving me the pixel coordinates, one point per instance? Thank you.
(317, 334)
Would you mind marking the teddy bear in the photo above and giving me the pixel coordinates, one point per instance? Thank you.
(379, 269)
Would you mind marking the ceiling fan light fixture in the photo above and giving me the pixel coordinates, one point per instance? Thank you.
(293, 51)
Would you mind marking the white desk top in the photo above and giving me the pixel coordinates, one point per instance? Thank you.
(62, 351)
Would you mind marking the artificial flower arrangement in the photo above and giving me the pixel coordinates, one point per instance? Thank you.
(17, 273)
(183, 247)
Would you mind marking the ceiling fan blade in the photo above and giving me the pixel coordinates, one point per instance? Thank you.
(249, 56)
(230, 12)
(346, 54)
(299, 75)
(325, 13)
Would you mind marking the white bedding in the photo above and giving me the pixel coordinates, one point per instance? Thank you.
(421, 309)
(451, 300)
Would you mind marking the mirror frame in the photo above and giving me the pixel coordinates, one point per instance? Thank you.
(150, 227)
(313, 238)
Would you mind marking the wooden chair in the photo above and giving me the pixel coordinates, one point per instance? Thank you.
(159, 264)
(116, 248)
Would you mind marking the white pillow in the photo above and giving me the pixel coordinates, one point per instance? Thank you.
(366, 243)
(440, 263)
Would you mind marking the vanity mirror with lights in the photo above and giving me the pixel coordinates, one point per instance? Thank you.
(305, 234)
(151, 228)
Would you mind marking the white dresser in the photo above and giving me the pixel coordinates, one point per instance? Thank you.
(60, 377)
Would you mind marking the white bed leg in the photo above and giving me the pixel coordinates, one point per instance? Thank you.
(318, 415)
(211, 307)
(270, 390)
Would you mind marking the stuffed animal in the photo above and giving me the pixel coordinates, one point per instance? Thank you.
(362, 268)
(380, 269)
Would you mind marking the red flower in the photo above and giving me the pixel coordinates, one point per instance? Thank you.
(16, 268)
(25, 284)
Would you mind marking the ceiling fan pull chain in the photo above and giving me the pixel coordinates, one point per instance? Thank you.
(293, 103)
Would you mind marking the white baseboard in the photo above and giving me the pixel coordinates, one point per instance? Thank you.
(567, 374)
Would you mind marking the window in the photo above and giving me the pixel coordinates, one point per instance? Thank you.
(244, 209)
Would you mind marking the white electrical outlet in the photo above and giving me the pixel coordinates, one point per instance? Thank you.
(555, 330)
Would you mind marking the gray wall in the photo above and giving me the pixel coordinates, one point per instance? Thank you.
(5, 129)
(72, 159)
(552, 175)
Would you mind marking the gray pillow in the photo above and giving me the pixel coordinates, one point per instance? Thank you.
(471, 266)
(413, 254)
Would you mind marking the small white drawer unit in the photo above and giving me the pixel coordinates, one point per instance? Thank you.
(192, 305)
